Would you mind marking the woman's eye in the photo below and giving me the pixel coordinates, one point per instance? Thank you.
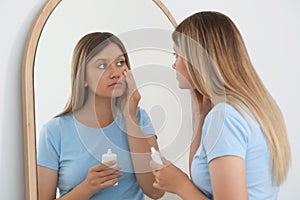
(102, 66)
(120, 63)
(175, 54)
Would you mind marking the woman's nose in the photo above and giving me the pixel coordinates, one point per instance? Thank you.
(117, 72)
(115, 76)
(174, 65)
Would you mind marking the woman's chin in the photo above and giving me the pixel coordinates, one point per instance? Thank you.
(118, 92)
(183, 86)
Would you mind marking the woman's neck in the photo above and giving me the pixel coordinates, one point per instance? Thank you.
(97, 112)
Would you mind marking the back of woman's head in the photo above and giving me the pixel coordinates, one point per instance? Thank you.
(212, 44)
(220, 68)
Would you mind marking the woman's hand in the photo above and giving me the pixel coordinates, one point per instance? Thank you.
(130, 100)
(168, 177)
(101, 176)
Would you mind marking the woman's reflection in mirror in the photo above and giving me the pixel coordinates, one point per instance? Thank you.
(102, 113)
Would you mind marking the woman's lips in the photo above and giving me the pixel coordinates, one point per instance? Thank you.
(115, 84)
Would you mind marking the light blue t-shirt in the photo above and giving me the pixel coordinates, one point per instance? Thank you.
(71, 148)
(227, 132)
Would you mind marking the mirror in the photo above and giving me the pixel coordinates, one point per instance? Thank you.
(145, 28)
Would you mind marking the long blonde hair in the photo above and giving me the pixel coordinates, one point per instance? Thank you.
(220, 68)
(87, 47)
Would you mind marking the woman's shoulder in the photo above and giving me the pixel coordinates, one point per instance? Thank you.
(224, 107)
(55, 122)
(229, 110)
(140, 111)
(142, 114)
(233, 114)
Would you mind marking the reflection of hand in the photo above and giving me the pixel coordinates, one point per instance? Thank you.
(130, 100)
(101, 176)
(168, 177)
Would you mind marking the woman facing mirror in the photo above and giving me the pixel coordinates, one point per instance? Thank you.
(102, 113)
(240, 148)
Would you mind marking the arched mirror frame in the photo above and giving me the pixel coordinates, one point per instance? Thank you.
(28, 92)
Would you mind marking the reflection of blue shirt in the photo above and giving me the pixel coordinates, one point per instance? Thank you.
(72, 148)
(227, 132)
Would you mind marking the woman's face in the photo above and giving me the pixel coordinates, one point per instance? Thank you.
(184, 80)
(104, 72)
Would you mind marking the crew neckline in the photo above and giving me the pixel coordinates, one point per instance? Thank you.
(101, 128)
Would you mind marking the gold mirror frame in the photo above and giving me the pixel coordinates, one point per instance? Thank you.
(28, 92)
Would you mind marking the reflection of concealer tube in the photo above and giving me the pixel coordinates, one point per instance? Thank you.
(109, 156)
(156, 156)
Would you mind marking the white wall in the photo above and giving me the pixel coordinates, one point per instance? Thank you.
(16, 19)
(271, 31)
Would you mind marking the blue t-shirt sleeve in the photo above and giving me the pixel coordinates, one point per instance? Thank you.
(225, 134)
(48, 149)
(145, 122)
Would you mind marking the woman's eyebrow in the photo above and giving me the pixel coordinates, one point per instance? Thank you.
(101, 59)
(108, 59)
(122, 55)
